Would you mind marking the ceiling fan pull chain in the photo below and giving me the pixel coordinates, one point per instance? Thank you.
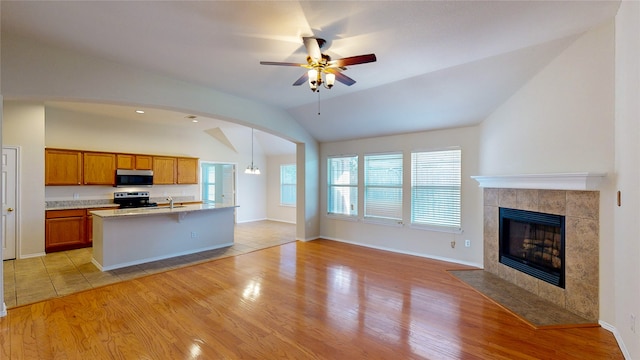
(318, 102)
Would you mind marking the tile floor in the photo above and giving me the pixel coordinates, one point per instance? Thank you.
(56, 274)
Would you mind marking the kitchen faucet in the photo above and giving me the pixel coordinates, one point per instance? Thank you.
(170, 202)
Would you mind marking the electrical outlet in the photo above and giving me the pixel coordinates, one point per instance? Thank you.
(453, 244)
(76, 196)
(467, 243)
(194, 235)
(632, 323)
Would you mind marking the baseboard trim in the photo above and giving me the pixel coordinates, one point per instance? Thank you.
(618, 337)
(282, 221)
(27, 256)
(313, 238)
(440, 258)
(248, 221)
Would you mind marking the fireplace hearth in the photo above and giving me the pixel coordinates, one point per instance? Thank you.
(533, 243)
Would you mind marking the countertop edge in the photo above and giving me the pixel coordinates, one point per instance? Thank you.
(118, 213)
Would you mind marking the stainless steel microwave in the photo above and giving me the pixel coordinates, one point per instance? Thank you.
(131, 178)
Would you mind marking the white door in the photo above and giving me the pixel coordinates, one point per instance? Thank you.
(228, 188)
(9, 191)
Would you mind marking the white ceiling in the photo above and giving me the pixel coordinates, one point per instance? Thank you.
(441, 64)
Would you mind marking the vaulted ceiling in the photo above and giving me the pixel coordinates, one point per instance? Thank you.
(441, 64)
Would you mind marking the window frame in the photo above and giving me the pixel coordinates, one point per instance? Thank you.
(367, 186)
(204, 183)
(292, 185)
(354, 158)
(435, 226)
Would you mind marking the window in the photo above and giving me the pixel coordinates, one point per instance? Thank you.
(383, 186)
(343, 185)
(208, 183)
(288, 184)
(435, 188)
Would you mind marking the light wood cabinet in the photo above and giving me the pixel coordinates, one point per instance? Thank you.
(76, 167)
(99, 168)
(63, 167)
(144, 162)
(187, 171)
(134, 162)
(125, 161)
(69, 229)
(65, 230)
(164, 170)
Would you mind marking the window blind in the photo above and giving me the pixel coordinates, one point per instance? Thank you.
(342, 173)
(435, 188)
(288, 184)
(208, 183)
(383, 186)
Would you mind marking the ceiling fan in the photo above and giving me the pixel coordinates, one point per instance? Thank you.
(323, 70)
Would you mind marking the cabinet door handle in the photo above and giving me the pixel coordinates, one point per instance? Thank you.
(10, 209)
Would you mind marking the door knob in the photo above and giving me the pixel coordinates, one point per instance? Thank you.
(10, 209)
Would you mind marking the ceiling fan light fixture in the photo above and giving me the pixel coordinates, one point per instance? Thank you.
(322, 70)
(330, 80)
(313, 79)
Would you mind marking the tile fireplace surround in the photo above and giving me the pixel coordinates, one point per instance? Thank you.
(582, 233)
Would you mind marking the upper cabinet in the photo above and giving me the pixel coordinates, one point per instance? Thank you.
(187, 171)
(63, 167)
(134, 162)
(125, 161)
(77, 167)
(99, 168)
(170, 170)
(144, 162)
(164, 170)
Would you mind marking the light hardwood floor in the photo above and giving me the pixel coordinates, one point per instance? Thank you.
(313, 300)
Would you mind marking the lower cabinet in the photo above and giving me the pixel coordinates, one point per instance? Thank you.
(68, 229)
(65, 230)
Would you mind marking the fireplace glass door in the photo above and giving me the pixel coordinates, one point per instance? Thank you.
(533, 243)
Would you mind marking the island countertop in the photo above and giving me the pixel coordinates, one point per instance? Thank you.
(146, 211)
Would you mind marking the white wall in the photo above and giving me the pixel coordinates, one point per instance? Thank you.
(562, 121)
(626, 266)
(23, 126)
(275, 211)
(405, 239)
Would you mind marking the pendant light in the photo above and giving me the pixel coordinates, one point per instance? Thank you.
(251, 169)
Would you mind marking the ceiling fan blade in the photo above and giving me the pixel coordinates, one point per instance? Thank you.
(313, 49)
(340, 76)
(281, 63)
(353, 60)
(303, 79)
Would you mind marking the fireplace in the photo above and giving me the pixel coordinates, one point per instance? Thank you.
(533, 243)
(581, 212)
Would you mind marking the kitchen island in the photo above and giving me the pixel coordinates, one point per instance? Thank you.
(126, 237)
